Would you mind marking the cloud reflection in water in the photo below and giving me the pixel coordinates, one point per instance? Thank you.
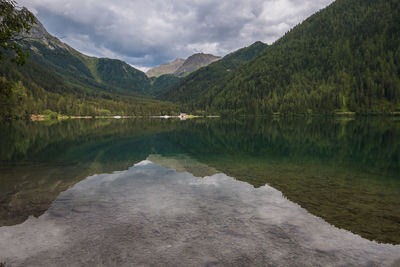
(154, 215)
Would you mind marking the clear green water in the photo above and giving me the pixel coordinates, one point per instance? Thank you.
(346, 172)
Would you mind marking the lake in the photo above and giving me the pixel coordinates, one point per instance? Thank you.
(241, 192)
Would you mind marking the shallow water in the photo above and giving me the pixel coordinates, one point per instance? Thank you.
(200, 193)
(154, 215)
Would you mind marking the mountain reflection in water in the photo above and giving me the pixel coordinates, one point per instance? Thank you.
(344, 171)
(152, 215)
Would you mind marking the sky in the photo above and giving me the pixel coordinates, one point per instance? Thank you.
(147, 33)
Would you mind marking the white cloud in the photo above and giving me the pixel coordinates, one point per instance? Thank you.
(209, 48)
(144, 69)
(148, 33)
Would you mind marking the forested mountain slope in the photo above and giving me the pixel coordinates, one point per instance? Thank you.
(82, 72)
(345, 57)
(162, 83)
(59, 78)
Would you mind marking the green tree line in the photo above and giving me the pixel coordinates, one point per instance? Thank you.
(18, 102)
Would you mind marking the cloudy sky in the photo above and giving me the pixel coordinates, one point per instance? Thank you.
(146, 33)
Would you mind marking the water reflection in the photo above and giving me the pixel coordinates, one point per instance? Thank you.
(346, 172)
(152, 215)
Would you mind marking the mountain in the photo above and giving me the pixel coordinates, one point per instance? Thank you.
(83, 71)
(194, 63)
(181, 67)
(194, 84)
(168, 68)
(172, 88)
(59, 78)
(166, 76)
(344, 58)
(38, 32)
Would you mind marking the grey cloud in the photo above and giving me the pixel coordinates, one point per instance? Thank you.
(148, 33)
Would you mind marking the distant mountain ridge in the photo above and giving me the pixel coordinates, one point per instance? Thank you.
(182, 67)
(168, 68)
(181, 89)
(195, 62)
(193, 85)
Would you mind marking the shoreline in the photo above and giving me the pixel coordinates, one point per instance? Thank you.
(39, 117)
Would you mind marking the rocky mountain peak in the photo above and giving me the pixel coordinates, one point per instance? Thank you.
(168, 68)
(39, 33)
(195, 62)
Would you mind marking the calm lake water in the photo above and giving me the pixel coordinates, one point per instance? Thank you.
(201, 192)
